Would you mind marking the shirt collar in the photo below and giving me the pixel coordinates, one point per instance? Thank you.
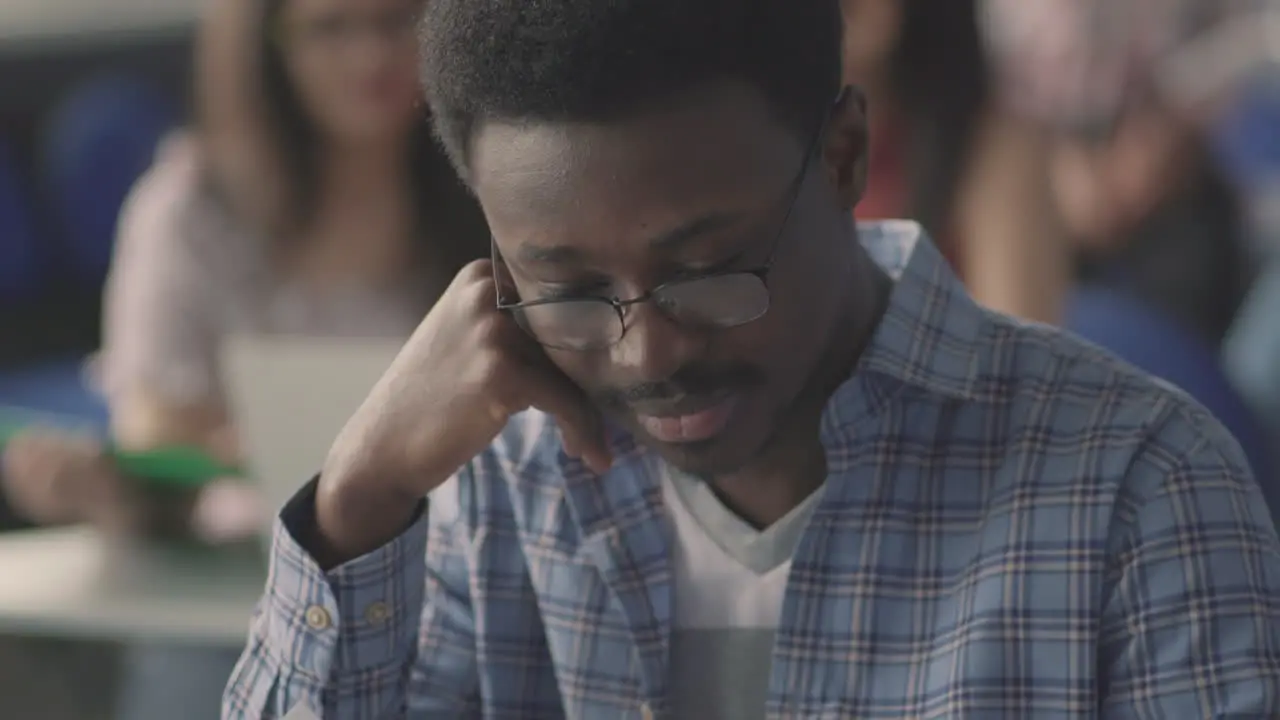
(930, 336)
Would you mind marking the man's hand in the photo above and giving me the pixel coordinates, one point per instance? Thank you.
(462, 374)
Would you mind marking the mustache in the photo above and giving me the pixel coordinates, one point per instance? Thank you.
(688, 381)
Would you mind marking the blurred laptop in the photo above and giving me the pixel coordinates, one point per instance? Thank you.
(290, 396)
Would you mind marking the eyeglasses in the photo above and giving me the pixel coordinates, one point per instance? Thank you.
(715, 301)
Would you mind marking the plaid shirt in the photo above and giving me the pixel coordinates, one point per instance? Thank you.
(1014, 525)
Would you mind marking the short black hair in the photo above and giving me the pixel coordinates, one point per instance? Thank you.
(603, 60)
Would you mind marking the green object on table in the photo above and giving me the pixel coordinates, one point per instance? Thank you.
(175, 465)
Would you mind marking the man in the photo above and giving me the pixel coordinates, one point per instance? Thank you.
(775, 466)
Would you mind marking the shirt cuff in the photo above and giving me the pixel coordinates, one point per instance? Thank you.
(361, 615)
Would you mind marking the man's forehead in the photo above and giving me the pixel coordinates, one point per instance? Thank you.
(527, 156)
(729, 127)
(599, 190)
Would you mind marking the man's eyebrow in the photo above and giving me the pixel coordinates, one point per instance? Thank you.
(668, 242)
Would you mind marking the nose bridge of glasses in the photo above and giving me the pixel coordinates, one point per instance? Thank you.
(654, 342)
(657, 299)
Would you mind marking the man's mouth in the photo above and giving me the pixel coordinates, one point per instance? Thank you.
(688, 419)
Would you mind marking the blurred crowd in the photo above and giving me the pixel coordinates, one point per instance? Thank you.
(1112, 166)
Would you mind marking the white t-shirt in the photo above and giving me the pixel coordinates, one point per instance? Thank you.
(730, 580)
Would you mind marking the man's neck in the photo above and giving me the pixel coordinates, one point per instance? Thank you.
(795, 464)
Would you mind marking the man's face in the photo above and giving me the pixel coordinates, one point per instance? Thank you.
(614, 211)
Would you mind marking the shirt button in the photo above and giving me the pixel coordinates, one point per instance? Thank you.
(317, 618)
(377, 613)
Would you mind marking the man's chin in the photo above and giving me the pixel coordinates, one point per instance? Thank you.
(721, 455)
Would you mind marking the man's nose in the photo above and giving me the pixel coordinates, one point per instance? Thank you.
(654, 345)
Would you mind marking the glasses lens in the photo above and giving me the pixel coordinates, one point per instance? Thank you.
(572, 324)
(720, 301)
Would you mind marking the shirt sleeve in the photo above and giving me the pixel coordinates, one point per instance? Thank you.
(162, 294)
(345, 644)
(1191, 621)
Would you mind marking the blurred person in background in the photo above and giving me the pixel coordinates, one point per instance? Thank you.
(309, 197)
(1249, 139)
(1134, 183)
(1159, 237)
(944, 154)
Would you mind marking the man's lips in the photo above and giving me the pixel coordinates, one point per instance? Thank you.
(688, 420)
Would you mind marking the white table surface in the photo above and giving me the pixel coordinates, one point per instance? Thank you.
(69, 583)
(62, 20)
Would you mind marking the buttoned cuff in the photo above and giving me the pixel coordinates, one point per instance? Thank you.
(359, 616)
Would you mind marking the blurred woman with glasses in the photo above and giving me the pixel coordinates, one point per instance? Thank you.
(308, 197)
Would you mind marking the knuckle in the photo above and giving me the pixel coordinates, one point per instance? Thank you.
(503, 404)
(471, 285)
(480, 293)
(491, 365)
(476, 268)
(490, 329)
(475, 272)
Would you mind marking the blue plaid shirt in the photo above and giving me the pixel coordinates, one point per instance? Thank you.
(1014, 525)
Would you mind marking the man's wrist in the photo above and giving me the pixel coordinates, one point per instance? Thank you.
(353, 519)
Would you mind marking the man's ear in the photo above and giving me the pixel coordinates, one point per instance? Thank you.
(845, 149)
